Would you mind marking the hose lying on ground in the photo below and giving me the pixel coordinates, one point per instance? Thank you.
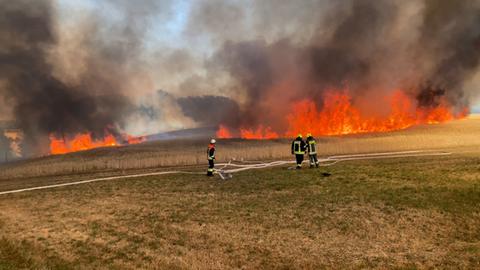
(225, 173)
(329, 161)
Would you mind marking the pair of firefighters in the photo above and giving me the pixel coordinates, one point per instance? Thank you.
(299, 146)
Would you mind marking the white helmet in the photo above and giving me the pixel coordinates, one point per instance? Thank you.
(213, 141)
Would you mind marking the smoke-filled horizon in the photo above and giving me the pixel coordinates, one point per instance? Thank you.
(98, 67)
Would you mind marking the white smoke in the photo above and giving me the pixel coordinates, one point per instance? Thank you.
(157, 112)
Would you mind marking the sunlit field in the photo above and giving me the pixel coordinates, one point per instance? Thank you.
(399, 213)
(402, 213)
(108, 109)
(155, 155)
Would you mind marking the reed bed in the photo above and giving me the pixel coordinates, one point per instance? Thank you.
(456, 134)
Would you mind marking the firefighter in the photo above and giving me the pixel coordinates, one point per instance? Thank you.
(312, 150)
(298, 149)
(211, 157)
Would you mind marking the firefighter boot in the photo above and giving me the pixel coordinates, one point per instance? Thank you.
(312, 161)
(299, 159)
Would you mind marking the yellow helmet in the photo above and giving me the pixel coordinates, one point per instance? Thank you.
(299, 135)
(309, 135)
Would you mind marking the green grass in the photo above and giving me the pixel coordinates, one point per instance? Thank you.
(398, 213)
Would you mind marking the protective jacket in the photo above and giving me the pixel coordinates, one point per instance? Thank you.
(211, 152)
(298, 146)
(311, 145)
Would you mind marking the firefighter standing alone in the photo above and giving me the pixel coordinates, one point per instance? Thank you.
(211, 157)
(298, 149)
(312, 150)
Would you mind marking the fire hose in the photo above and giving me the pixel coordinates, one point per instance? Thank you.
(226, 170)
(329, 161)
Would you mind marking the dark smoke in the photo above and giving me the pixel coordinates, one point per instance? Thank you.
(210, 110)
(43, 98)
(451, 30)
(249, 63)
(241, 63)
(4, 148)
(350, 53)
(365, 46)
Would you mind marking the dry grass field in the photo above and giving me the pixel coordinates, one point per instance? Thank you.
(403, 213)
(150, 156)
(410, 213)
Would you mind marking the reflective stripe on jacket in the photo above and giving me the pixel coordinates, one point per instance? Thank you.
(311, 146)
(298, 147)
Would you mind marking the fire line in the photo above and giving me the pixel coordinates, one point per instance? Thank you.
(339, 116)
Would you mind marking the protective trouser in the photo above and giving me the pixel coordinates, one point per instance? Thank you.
(299, 159)
(313, 160)
(211, 164)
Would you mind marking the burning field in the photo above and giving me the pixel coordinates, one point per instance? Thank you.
(456, 135)
(355, 67)
(338, 116)
(416, 212)
(114, 89)
(83, 142)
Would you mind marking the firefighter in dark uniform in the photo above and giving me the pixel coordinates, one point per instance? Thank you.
(211, 157)
(312, 150)
(298, 149)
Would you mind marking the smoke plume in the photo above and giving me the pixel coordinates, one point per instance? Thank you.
(428, 49)
(62, 80)
(210, 110)
(237, 63)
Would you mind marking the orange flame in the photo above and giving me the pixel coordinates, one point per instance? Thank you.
(84, 141)
(338, 116)
(259, 133)
(80, 142)
(135, 140)
(223, 133)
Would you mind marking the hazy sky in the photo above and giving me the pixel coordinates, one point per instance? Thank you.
(166, 28)
(167, 33)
